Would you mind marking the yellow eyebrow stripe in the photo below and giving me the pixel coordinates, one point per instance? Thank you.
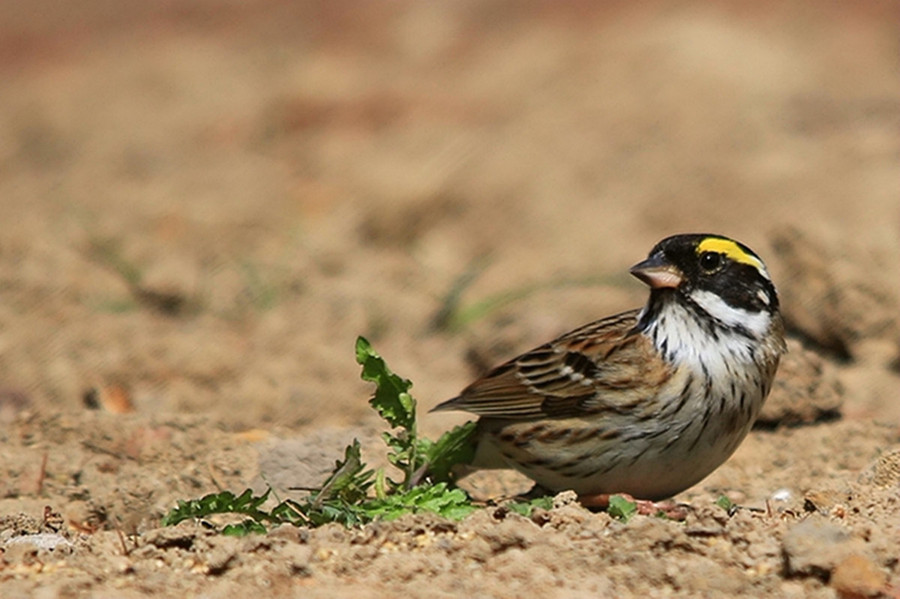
(732, 250)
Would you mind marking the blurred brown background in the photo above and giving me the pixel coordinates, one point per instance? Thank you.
(203, 203)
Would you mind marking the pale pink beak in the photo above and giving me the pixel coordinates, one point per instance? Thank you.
(658, 273)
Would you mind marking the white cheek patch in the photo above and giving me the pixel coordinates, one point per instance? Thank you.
(755, 322)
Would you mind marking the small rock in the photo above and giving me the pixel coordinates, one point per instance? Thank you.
(565, 498)
(305, 461)
(114, 398)
(42, 541)
(884, 471)
(857, 577)
(816, 546)
(826, 499)
(805, 391)
(833, 291)
(781, 495)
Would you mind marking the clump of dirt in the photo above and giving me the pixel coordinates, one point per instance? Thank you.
(807, 390)
(835, 296)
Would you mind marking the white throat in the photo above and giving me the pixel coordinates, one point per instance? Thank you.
(679, 333)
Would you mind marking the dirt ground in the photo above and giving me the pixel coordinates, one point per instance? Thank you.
(203, 204)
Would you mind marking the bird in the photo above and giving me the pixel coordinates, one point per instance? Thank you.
(648, 402)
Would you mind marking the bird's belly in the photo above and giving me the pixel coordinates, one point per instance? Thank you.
(653, 465)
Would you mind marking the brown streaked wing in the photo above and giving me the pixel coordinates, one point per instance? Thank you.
(600, 366)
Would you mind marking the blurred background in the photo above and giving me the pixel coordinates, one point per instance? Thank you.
(202, 204)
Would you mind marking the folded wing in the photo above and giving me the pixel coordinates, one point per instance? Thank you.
(601, 366)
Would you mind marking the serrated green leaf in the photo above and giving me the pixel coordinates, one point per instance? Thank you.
(224, 502)
(247, 502)
(457, 512)
(392, 400)
(724, 503)
(286, 512)
(244, 528)
(216, 503)
(348, 480)
(452, 448)
(438, 499)
(177, 514)
(526, 508)
(397, 407)
(621, 508)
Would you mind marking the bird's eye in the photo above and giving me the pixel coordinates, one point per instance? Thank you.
(710, 261)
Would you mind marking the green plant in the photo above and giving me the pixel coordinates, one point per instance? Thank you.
(526, 508)
(417, 458)
(725, 503)
(346, 495)
(622, 508)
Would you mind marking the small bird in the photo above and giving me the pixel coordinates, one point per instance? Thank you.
(648, 402)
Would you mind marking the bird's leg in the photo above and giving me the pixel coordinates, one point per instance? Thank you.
(668, 508)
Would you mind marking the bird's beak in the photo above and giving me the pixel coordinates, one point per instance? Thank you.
(657, 272)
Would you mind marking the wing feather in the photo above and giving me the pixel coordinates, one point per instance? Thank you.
(604, 365)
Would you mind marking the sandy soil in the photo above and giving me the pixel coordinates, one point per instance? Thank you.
(202, 205)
